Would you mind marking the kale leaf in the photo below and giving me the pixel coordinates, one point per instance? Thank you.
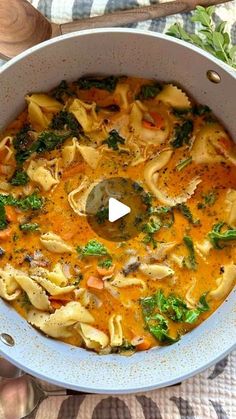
(92, 248)
(183, 163)
(19, 178)
(64, 120)
(32, 201)
(189, 261)
(29, 227)
(106, 83)
(102, 215)
(113, 140)
(3, 218)
(106, 263)
(62, 91)
(186, 212)
(218, 237)
(149, 91)
(182, 134)
(22, 143)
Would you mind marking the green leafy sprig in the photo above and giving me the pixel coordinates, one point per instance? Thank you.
(212, 37)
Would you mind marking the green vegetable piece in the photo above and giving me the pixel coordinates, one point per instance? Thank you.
(218, 237)
(19, 178)
(150, 229)
(149, 91)
(62, 91)
(3, 218)
(107, 263)
(114, 139)
(189, 261)
(48, 141)
(64, 120)
(183, 163)
(102, 215)
(29, 227)
(92, 248)
(22, 143)
(186, 212)
(182, 134)
(32, 201)
(212, 37)
(107, 83)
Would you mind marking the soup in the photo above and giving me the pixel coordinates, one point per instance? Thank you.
(169, 270)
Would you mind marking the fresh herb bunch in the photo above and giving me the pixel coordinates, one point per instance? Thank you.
(212, 37)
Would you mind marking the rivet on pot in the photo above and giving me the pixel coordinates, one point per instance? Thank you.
(7, 339)
(213, 76)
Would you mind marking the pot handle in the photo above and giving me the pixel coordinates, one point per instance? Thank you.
(124, 17)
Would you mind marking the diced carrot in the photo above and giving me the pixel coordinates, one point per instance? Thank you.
(105, 271)
(157, 121)
(95, 282)
(74, 170)
(11, 214)
(56, 304)
(5, 234)
(143, 346)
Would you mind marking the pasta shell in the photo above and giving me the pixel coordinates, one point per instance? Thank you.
(174, 97)
(156, 271)
(203, 248)
(51, 288)
(115, 330)
(6, 149)
(93, 338)
(122, 90)
(188, 297)
(69, 152)
(85, 114)
(203, 149)
(78, 197)
(45, 102)
(54, 243)
(9, 288)
(225, 283)
(151, 176)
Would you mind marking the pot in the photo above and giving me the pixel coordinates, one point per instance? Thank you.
(141, 54)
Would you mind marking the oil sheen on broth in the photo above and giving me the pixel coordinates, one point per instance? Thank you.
(111, 296)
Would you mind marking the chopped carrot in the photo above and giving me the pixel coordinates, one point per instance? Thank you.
(61, 297)
(105, 271)
(95, 282)
(74, 170)
(11, 213)
(5, 234)
(143, 346)
(55, 304)
(157, 121)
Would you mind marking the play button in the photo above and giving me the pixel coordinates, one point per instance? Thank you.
(117, 210)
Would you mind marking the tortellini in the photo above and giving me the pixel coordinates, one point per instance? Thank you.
(90, 155)
(54, 243)
(69, 152)
(156, 271)
(211, 146)
(59, 324)
(151, 176)
(203, 248)
(115, 330)
(156, 137)
(44, 172)
(231, 207)
(85, 114)
(78, 197)
(174, 96)
(12, 279)
(40, 106)
(121, 281)
(49, 286)
(93, 338)
(225, 282)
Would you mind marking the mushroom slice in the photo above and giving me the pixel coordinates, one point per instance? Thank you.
(225, 283)
(174, 97)
(115, 330)
(151, 176)
(54, 243)
(93, 338)
(156, 271)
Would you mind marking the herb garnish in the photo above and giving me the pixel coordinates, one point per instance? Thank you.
(3, 218)
(217, 236)
(182, 134)
(190, 260)
(64, 120)
(92, 248)
(183, 163)
(107, 83)
(32, 201)
(62, 91)
(209, 200)
(186, 212)
(106, 263)
(150, 228)
(113, 140)
(212, 37)
(102, 215)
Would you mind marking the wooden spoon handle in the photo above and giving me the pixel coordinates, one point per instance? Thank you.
(139, 14)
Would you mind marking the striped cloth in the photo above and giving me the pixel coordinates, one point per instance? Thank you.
(209, 395)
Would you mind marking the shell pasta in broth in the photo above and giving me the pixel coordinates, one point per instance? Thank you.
(149, 288)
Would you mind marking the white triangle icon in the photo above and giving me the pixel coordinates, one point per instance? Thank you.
(117, 210)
